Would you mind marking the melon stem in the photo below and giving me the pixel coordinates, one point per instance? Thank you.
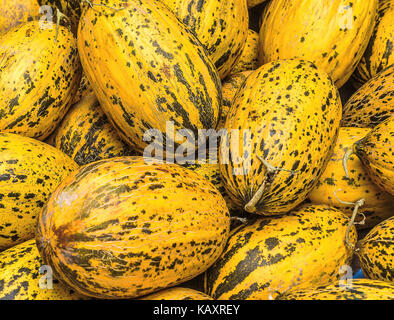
(242, 220)
(344, 161)
(357, 205)
(251, 205)
(351, 204)
(59, 17)
(88, 2)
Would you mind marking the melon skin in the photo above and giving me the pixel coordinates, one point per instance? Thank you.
(20, 276)
(358, 289)
(30, 171)
(375, 153)
(375, 252)
(294, 29)
(336, 189)
(372, 103)
(292, 111)
(123, 228)
(379, 53)
(273, 255)
(37, 90)
(172, 76)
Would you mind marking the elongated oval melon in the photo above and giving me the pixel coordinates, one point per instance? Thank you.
(334, 187)
(379, 53)
(332, 34)
(291, 112)
(376, 251)
(372, 103)
(38, 78)
(84, 89)
(30, 171)
(22, 276)
(249, 59)
(220, 25)
(357, 289)
(274, 254)
(156, 70)
(177, 294)
(86, 135)
(376, 153)
(123, 228)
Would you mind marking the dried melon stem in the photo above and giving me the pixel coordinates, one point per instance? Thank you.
(59, 17)
(251, 205)
(357, 205)
(242, 220)
(352, 204)
(345, 160)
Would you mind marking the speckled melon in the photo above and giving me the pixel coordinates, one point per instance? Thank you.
(274, 254)
(220, 25)
(211, 172)
(38, 78)
(156, 70)
(86, 135)
(379, 53)
(177, 294)
(249, 59)
(357, 289)
(376, 153)
(84, 89)
(372, 103)
(14, 12)
(334, 187)
(292, 112)
(125, 228)
(20, 276)
(332, 34)
(230, 87)
(30, 171)
(376, 251)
